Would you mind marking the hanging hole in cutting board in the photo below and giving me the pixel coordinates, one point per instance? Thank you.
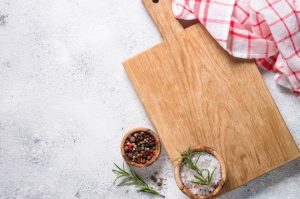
(187, 23)
(184, 23)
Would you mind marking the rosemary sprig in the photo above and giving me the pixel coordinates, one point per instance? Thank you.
(130, 178)
(200, 178)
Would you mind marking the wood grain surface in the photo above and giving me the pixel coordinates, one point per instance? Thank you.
(197, 94)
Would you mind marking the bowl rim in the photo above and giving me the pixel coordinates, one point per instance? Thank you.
(157, 152)
(185, 190)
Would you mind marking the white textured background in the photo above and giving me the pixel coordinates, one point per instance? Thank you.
(65, 102)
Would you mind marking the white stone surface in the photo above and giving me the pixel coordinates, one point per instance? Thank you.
(65, 101)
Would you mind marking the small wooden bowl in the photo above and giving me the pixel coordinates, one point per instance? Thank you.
(186, 191)
(157, 151)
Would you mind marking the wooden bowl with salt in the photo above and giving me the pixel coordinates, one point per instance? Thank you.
(187, 191)
(125, 153)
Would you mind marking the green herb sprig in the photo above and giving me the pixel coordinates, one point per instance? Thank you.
(130, 178)
(200, 178)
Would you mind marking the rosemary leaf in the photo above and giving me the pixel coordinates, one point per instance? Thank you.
(210, 177)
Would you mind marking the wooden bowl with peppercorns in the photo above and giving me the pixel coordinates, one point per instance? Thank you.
(140, 147)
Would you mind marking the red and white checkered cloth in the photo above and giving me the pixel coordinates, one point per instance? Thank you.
(267, 30)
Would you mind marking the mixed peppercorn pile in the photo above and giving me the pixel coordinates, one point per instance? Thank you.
(140, 147)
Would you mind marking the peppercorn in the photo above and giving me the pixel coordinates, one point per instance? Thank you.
(159, 183)
(153, 178)
(132, 139)
(126, 148)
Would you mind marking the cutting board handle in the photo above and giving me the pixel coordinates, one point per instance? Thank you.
(162, 15)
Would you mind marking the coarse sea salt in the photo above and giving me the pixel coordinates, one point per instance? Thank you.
(206, 161)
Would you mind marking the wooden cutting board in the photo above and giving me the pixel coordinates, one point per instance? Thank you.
(197, 94)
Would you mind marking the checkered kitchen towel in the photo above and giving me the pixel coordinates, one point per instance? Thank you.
(267, 30)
